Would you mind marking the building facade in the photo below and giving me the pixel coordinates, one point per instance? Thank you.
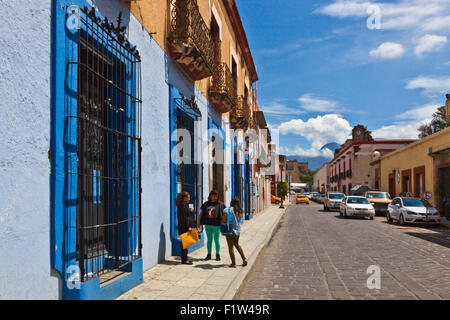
(121, 121)
(295, 169)
(350, 166)
(322, 179)
(422, 166)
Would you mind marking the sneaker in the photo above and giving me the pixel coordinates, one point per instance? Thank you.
(187, 262)
(208, 257)
(244, 263)
(217, 257)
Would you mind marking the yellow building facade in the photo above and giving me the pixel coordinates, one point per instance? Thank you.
(222, 30)
(422, 166)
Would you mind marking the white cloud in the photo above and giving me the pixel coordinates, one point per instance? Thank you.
(430, 85)
(388, 50)
(312, 152)
(412, 15)
(277, 108)
(398, 131)
(420, 113)
(309, 102)
(320, 130)
(407, 123)
(430, 43)
(345, 8)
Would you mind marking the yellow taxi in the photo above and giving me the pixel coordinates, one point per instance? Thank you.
(301, 198)
(276, 200)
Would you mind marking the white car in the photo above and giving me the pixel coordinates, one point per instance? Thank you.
(412, 210)
(356, 207)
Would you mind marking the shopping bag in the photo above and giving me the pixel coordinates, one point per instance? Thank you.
(189, 238)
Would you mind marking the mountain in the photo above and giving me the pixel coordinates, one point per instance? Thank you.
(315, 163)
(332, 146)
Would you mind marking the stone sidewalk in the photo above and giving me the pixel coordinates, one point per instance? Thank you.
(208, 280)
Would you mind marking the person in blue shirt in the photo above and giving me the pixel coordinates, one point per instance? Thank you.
(237, 219)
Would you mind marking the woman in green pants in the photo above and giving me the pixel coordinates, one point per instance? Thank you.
(211, 217)
(237, 218)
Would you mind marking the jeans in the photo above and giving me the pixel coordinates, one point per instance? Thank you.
(233, 241)
(212, 234)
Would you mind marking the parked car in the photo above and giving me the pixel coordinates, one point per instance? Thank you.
(315, 196)
(412, 210)
(301, 198)
(275, 199)
(379, 199)
(333, 201)
(308, 194)
(321, 198)
(357, 207)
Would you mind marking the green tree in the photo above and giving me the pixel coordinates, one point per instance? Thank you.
(437, 123)
(308, 177)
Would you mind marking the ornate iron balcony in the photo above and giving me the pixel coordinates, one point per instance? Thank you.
(190, 39)
(222, 93)
(240, 115)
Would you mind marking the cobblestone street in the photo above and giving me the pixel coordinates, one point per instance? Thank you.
(319, 255)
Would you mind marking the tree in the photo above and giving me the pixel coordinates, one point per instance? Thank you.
(308, 177)
(437, 123)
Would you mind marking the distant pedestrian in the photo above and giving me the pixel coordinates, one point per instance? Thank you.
(237, 219)
(211, 214)
(185, 220)
(447, 206)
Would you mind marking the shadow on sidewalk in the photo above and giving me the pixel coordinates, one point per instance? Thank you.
(209, 266)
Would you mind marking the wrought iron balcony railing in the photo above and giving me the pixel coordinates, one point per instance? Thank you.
(222, 93)
(240, 115)
(190, 40)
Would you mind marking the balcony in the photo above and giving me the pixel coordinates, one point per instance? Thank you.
(222, 91)
(190, 42)
(241, 113)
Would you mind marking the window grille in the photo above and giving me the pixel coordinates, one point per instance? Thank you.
(108, 128)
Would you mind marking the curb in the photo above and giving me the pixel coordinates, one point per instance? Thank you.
(237, 282)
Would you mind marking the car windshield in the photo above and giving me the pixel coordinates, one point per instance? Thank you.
(336, 196)
(409, 202)
(316, 194)
(358, 200)
(377, 195)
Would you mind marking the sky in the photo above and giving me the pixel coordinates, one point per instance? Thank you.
(326, 66)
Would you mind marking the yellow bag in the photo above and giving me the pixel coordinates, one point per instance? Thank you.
(189, 238)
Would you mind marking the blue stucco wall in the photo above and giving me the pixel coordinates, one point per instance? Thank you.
(25, 128)
(24, 166)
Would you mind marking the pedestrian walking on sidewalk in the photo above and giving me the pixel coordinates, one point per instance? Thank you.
(237, 219)
(185, 220)
(211, 214)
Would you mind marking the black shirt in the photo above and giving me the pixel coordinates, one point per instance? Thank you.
(185, 218)
(212, 213)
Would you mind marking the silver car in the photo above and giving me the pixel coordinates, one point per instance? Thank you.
(412, 210)
(333, 201)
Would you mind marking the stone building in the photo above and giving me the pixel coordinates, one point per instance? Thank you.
(294, 169)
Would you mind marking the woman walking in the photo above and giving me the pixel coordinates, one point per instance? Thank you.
(211, 214)
(185, 220)
(237, 218)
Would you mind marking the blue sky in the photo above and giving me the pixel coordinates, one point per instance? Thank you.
(322, 70)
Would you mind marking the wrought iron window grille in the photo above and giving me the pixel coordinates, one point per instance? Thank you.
(106, 163)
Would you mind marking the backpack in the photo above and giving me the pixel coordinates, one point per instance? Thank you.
(227, 227)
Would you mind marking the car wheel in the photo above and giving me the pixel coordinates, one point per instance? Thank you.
(277, 202)
(371, 218)
(388, 217)
(401, 220)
